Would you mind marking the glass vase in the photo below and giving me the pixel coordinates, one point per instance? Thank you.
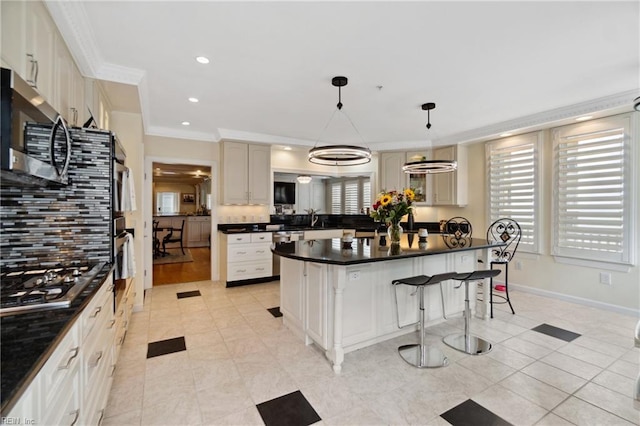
(395, 233)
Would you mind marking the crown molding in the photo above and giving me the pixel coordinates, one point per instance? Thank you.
(244, 136)
(73, 23)
(181, 134)
(607, 105)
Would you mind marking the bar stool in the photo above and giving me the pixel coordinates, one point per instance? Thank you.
(466, 342)
(418, 354)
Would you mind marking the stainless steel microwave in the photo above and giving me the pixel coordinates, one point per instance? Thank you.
(21, 104)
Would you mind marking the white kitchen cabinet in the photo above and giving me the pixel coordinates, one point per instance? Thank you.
(41, 39)
(450, 189)
(74, 383)
(245, 256)
(391, 175)
(13, 30)
(97, 353)
(198, 231)
(246, 175)
(33, 47)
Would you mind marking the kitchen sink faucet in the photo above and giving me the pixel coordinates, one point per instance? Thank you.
(313, 213)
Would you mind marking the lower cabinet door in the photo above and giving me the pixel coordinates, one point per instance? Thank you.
(66, 408)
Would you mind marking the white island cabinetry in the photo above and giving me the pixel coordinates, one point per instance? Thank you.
(344, 307)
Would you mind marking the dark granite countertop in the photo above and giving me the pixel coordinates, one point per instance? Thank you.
(365, 250)
(29, 339)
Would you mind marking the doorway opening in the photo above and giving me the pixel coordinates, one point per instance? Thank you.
(181, 231)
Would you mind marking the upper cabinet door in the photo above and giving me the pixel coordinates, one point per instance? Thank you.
(450, 189)
(13, 48)
(391, 175)
(40, 49)
(246, 173)
(259, 174)
(235, 179)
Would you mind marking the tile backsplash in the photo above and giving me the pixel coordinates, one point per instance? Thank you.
(48, 225)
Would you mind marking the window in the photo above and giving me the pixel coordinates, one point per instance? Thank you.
(336, 197)
(593, 191)
(350, 195)
(514, 185)
(168, 202)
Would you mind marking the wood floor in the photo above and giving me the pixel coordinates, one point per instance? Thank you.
(173, 273)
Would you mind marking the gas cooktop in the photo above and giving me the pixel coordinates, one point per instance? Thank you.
(31, 289)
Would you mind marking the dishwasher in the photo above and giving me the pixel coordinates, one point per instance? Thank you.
(286, 242)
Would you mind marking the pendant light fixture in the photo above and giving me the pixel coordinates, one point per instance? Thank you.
(339, 155)
(423, 167)
(303, 179)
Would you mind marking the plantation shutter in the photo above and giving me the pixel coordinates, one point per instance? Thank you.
(351, 197)
(513, 185)
(336, 198)
(592, 199)
(366, 193)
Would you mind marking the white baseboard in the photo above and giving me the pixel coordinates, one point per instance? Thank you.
(574, 299)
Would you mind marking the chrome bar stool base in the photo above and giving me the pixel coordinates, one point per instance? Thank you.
(419, 354)
(473, 345)
(467, 343)
(423, 356)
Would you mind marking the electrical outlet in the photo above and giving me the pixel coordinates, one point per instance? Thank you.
(518, 265)
(605, 278)
(354, 276)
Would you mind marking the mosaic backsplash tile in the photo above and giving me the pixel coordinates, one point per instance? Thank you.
(48, 225)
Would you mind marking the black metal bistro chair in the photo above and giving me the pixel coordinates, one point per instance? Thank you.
(467, 342)
(418, 354)
(175, 235)
(508, 231)
(457, 232)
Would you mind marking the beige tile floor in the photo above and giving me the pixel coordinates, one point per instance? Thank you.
(239, 355)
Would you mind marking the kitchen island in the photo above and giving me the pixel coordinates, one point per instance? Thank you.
(341, 299)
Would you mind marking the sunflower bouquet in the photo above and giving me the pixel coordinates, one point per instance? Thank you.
(391, 206)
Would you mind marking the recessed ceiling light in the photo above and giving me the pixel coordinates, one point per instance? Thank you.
(185, 123)
(287, 148)
(504, 135)
(194, 100)
(584, 117)
(202, 59)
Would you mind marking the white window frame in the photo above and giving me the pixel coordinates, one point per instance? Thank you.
(600, 258)
(534, 141)
(176, 201)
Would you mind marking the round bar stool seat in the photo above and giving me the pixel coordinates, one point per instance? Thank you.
(467, 343)
(418, 354)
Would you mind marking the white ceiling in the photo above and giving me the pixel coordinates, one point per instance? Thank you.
(490, 67)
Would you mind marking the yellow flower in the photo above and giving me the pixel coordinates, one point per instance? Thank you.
(409, 194)
(385, 199)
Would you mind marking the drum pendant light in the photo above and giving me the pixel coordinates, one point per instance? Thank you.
(424, 167)
(339, 155)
